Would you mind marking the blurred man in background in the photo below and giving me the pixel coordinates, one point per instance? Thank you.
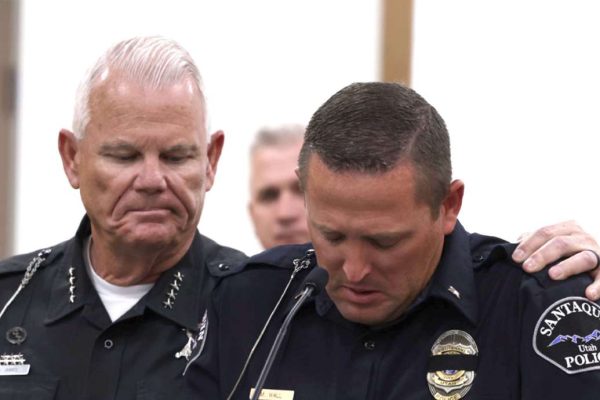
(276, 202)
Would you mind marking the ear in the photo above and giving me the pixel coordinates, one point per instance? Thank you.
(215, 146)
(68, 147)
(451, 205)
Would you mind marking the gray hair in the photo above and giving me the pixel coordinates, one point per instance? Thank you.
(373, 127)
(277, 135)
(152, 61)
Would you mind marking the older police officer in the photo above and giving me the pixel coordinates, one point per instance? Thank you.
(117, 311)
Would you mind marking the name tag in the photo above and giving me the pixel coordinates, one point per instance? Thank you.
(7, 370)
(273, 394)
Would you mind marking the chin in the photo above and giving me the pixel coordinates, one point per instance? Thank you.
(152, 237)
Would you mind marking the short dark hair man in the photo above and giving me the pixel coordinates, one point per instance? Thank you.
(415, 306)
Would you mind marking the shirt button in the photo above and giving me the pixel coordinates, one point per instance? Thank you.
(108, 344)
(369, 345)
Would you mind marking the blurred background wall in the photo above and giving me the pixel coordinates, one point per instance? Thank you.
(516, 81)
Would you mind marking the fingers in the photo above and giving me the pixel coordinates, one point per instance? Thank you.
(576, 264)
(592, 292)
(550, 243)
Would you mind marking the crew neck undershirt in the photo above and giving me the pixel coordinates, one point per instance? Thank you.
(117, 300)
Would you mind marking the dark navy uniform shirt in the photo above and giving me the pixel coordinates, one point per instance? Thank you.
(534, 337)
(75, 352)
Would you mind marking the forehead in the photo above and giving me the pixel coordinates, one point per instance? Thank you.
(345, 196)
(118, 102)
(275, 162)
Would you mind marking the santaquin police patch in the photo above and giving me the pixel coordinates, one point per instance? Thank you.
(568, 334)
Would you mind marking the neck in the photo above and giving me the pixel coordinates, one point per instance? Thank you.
(126, 266)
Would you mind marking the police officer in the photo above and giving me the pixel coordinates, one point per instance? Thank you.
(415, 306)
(117, 311)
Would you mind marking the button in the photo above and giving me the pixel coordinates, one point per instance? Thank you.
(108, 344)
(369, 345)
(478, 258)
(223, 267)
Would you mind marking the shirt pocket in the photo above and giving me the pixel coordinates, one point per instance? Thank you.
(153, 390)
(28, 388)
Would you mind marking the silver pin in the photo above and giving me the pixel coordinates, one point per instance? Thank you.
(16, 335)
(168, 303)
(172, 294)
(72, 286)
(455, 292)
(191, 344)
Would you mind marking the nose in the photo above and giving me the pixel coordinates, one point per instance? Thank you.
(356, 263)
(289, 207)
(150, 177)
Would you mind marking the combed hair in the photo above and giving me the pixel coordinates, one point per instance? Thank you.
(373, 127)
(152, 61)
(277, 135)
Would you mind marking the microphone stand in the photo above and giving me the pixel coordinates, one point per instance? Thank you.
(277, 343)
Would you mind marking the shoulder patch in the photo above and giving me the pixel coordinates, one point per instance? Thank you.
(567, 335)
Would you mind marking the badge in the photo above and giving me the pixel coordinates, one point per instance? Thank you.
(567, 335)
(454, 380)
(195, 344)
(13, 364)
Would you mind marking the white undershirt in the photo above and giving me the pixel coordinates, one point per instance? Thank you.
(117, 300)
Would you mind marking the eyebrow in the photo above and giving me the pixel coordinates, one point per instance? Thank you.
(184, 148)
(376, 236)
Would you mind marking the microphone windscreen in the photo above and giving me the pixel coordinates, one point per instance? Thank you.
(317, 278)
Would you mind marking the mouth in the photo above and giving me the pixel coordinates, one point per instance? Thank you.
(360, 295)
(151, 213)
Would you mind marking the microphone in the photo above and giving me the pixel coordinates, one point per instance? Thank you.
(313, 284)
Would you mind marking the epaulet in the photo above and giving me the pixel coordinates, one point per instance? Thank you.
(20, 262)
(487, 250)
(222, 260)
(280, 256)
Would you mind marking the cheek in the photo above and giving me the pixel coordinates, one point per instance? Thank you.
(188, 188)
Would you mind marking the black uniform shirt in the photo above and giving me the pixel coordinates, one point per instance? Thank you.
(476, 291)
(75, 352)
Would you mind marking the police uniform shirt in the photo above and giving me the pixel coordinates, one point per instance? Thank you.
(482, 329)
(59, 333)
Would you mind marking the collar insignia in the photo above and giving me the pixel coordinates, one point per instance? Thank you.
(172, 293)
(72, 285)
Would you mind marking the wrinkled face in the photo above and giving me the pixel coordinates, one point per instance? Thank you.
(379, 245)
(276, 202)
(142, 166)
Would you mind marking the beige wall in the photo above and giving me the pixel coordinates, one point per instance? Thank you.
(8, 21)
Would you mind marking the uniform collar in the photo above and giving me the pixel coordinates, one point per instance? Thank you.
(175, 295)
(72, 288)
(453, 281)
(454, 275)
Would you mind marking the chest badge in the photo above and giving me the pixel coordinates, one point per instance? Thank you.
(452, 365)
